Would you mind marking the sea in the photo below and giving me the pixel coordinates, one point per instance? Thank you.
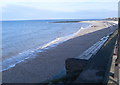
(22, 39)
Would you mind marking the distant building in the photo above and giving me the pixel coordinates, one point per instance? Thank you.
(112, 18)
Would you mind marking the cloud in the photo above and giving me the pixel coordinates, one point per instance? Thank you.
(7, 2)
(12, 13)
(10, 1)
(28, 9)
(67, 6)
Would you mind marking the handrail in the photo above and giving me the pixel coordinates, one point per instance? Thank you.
(79, 75)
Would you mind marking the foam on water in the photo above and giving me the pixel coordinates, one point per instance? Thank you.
(21, 57)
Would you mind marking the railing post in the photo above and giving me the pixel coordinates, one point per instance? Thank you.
(117, 62)
(118, 41)
(118, 54)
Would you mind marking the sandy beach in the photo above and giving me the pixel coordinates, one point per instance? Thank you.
(52, 61)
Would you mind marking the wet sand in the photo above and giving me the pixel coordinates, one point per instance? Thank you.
(52, 61)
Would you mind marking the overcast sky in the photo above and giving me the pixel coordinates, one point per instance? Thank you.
(58, 9)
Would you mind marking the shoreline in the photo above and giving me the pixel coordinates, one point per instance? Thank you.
(50, 62)
(21, 57)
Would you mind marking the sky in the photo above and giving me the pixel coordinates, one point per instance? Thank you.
(57, 9)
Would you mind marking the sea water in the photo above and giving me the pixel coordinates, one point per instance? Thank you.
(21, 39)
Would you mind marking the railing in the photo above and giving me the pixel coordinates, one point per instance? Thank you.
(92, 66)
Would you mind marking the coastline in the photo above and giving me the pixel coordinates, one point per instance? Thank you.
(21, 57)
(50, 62)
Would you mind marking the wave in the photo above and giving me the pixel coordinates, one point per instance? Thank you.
(21, 57)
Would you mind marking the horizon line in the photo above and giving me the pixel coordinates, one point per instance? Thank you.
(50, 19)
